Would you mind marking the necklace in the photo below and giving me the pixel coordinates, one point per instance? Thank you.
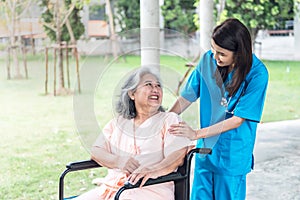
(136, 149)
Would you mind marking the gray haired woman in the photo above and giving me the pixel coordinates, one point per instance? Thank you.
(125, 105)
(136, 144)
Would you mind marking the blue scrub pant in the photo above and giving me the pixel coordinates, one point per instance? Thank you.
(211, 186)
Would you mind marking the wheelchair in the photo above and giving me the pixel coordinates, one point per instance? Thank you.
(181, 177)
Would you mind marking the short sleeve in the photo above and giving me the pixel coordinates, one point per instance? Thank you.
(103, 140)
(191, 89)
(251, 103)
(173, 143)
(202, 74)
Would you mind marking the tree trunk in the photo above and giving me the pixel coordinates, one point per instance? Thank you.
(61, 69)
(70, 30)
(13, 11)
(13, 44)
(221, 7)
(254, 32)
(113, 37)
(16, 66)
(60, 51)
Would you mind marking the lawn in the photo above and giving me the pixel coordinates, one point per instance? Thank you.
(283, 96)
(39, 133)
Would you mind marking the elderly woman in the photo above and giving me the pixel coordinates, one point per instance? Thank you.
(136, 143)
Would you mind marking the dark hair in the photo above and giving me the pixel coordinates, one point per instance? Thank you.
(125, 105)
(234, 36)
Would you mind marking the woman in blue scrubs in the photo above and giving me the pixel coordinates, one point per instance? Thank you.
(230, 83)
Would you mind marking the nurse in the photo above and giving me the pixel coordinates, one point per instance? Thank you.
(230, 83)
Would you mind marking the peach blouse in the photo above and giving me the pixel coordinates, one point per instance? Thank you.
(149, 143)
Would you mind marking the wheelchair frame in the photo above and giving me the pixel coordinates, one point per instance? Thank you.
(181, 177)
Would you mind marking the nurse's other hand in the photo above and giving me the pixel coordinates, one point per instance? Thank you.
(183, 130)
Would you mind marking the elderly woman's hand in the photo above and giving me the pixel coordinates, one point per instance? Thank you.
(169, 164)
(127, 164)
(144, 174)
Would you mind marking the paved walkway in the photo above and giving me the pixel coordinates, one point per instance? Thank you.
(276, 175)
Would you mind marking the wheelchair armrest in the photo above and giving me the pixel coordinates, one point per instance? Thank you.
(74, 166)
(200, 151)
(81, 165)
(162, 179)
(182, 174)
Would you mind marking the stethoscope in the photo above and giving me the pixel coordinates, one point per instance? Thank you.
(225, 103)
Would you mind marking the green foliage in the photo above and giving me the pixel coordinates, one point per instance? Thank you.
(297, 8)
(97, 12)
(259, 14)
(2, 47)
(180, 15)
(128, 14)
(74, 18)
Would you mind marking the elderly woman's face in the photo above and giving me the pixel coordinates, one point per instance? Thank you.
(148, 94)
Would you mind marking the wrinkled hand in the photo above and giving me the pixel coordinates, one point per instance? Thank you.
(144, 174)
(128, 164)
(183, 130)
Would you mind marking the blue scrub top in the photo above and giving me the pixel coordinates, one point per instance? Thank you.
(232, 150)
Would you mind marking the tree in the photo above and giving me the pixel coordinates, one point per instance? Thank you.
(128, 14)
(62, 22)
(179, 15)
(113, 37)
(12, 11)
(58, 15)
(259, 14)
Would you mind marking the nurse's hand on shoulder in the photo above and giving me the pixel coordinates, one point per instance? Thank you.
(183, 130)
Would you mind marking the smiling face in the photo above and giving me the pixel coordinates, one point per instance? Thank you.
(223, 56)
(148, 95)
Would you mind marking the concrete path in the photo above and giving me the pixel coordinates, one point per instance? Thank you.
(276, 174)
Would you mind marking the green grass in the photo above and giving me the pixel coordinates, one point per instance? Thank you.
(283, 95)
(39, 132)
